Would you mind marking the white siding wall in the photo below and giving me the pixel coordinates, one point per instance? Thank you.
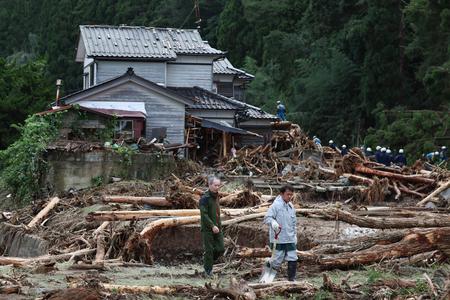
(153, 71)
(161, 110)
(188, 75)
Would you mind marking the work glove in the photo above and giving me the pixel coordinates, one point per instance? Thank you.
(275, 225)
(295, 240)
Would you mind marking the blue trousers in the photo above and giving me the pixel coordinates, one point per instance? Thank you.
(281, 116)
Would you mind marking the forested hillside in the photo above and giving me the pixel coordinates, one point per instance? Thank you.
(339, 66)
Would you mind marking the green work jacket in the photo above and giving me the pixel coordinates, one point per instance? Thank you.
(210, 211)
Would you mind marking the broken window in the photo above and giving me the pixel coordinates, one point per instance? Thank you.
(121, 127)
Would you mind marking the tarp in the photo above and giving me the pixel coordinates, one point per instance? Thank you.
(133, 106)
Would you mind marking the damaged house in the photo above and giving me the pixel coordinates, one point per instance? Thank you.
(164, 74)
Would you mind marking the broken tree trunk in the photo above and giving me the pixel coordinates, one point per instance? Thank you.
(417, 241)
(266, 252)
(434, 193)
(425, 220)
(156, 201)
(100, 255)
(238, 290)
(44, 212)
(358, 179)
(362, 169)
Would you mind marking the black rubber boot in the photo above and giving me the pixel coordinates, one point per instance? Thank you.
(292, 268)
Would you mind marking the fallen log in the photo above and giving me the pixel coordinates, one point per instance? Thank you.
(101, 228)
(238, 290)
(83, 266)
(285, 287)
(100, 254)
(156, 201)
(139, 289)
(415, 242)
(44, 258)
(9, 289)
(266, 252)
(363, 169)
(242, 219)
(44, 212)
(358, 179)
(434, 193)
(130, 215)
(424, 220)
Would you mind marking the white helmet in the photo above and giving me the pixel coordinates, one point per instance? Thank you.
(378, 148)
(436, 153)
(383, 149)
(369, 150)
(314, 137)
(400, 151)
(278, 102)
(443, 147)
(388, 151)
(343, 146)
(331, 142)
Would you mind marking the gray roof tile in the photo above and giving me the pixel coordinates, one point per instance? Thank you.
(223, 66)
(143, 42)
(204, 99)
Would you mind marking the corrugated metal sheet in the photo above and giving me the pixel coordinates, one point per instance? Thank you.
(142, 42)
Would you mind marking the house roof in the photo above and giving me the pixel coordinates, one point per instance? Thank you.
(100, 111)
(223, 66)
(129, 75)
(204, 99)
(103, 41)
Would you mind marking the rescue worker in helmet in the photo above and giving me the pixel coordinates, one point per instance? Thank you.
(443, 154)
(400, 159)
(390, 158)
(317, 141)
(331, 145)
(281, 111)
(377, 154)
(368, 152)
(383, 157)
(344, 150)
(432, 157)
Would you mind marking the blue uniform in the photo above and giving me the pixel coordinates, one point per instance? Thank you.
(344, 152)
(332, 146)
(377, 156)
(368, 154)
(384, 159)
(442, 156)
(317, 141)
(430, 158)
(281, 111)
(400, 160)
(390, 159)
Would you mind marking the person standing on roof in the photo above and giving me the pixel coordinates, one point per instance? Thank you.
(443, 154)
(331, 145)
(344, 150)
(281, 111)
(400, 159)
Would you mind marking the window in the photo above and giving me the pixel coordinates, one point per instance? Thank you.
(86, 80)
(91, 74)
(121, 127)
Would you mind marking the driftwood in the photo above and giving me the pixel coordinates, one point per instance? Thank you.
(363, 169)
(242, 219)
(44, 212)
(243, 198)
(100, 254)
(434, 193)
(130, 215)
(139, 289)
(83, 266)
(156, 201)
(398, 194)
(101, 228)
(266, 252)
(284, 287)
(9, 289)
(44, 258)
(425, 220)
(238, 290)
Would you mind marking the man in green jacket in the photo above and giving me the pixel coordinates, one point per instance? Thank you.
(211, 225)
